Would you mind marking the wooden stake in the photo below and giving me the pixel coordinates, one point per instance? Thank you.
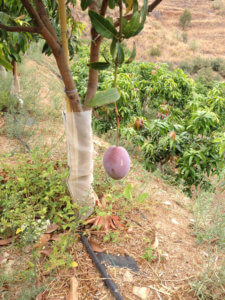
(63, 26)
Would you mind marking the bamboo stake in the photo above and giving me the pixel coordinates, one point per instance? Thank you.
(63, 26)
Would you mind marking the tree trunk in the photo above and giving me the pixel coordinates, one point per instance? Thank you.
(79, 141)
(15, 88)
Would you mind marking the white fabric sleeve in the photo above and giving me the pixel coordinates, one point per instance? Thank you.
(80, 160)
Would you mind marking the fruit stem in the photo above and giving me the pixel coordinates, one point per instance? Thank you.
(115, 74)
(116, 109)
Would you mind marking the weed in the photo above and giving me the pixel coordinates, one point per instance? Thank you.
(219, 6)
(112, 236)
(34, 189)
(184, 37)
(193, 45)
(209, 219)
(149, 253)
(210, 283)
(185, 19)
(155, 51)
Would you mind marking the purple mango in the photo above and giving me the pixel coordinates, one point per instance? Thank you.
(116, 162)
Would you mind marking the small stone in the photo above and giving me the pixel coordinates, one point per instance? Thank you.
(165, 256)
(141, 292)
(128, 277)
(167, 203)
(175, 222)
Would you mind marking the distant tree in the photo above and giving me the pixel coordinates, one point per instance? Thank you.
(185, 19)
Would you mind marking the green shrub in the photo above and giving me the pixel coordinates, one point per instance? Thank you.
(216, 63)
(7, 101)
(219, 5)
(155, 51)
(186, 67)
(185, 19)
(208, 74)
(198, 63)
(193, 45)
(34, 189)
(184, 37)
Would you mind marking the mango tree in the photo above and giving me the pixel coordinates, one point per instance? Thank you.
(41, 21)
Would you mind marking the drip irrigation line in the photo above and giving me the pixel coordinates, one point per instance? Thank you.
(23, 142)
(107, 279)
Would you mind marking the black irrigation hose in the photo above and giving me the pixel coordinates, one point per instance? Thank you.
(106, 278)
(23, 142)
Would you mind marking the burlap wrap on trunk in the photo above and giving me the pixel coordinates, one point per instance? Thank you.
(80, 160)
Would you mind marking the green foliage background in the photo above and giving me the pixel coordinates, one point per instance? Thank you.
(170, 103)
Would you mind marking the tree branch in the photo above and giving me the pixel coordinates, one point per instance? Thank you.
(44, 17)
(33, 14)
(151, 7)
(96, 40)
(104, 7)
(30, 29)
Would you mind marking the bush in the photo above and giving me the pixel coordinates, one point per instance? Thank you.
(7, 101)
(155, 51)
(219, 5)
(208, 74)
(186, 67)
(184, 37)
(185, 19)
(193, 45)
(34, 189)
(199, 63)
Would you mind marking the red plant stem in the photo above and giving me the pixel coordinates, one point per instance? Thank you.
(117, 125)
(116, 109)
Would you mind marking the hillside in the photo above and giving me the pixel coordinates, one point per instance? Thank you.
(205, 36)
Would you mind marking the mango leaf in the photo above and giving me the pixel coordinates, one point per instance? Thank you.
(4, 62)
(129, 5)
(84, 4)
(99, 65)
(132, 56)
(144, 12)
(4, 17)
(120, 53)
(128, 192)
(102, 26)
(135, 6)
(142, 197)
(132, 26)
(104, 97)
(113, 48)
(112, 4)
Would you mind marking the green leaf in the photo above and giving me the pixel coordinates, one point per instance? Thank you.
(128, 192)
(112, 4)
(144, 12)
(132, 26)
(5, 63)
(129, 5)
(113, 48)
(84, 4)
(102, 26)
(120, 53)
(104, 97)
(132, 56)
(99, 65)
(142, 197)
(4, 17)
